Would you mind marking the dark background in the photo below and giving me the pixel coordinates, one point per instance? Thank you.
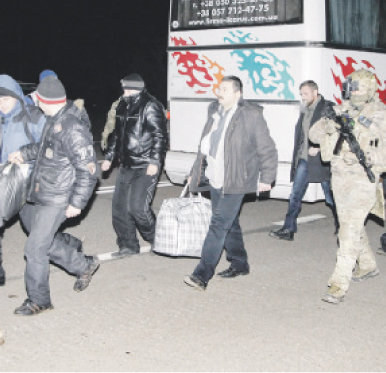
(90, 44)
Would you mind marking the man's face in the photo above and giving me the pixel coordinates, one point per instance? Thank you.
(308, 95)
(130, 92)
(227, 97)
(7, 103)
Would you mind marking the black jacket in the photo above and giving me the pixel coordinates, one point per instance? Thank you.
(249, 151)
(140, 134)
(318, 171)
(65, 167)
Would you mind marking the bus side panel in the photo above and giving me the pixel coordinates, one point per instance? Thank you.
(272, 75)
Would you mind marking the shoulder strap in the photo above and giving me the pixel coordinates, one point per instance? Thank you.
(28, 132)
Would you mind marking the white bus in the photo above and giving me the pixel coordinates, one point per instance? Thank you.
(272, 45)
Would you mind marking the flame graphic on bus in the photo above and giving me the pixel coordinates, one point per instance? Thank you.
(351, 65)
(268, 73)
(203, 74)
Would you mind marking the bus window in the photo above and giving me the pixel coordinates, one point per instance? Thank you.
(357, 23)
(207, 14)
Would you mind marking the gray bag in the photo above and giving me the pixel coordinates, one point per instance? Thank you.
(182, 225)
(14, 180)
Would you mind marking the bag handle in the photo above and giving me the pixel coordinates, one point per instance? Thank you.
(185, 192)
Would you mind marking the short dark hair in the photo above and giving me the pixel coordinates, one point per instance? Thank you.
(309, 83)
(237, 83)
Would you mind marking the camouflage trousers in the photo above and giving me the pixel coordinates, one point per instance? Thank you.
(354, 197)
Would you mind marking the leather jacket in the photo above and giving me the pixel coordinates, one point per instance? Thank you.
(65, 167)
(140, 134)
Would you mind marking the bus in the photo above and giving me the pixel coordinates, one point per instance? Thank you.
(273, 46)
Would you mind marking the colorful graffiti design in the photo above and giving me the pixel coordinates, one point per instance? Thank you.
(268, 73)
(203, 74)
(344, 69)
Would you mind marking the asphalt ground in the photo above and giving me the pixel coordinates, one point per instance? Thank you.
(138, 315)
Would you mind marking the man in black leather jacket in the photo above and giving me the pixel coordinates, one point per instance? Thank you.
(139, 143)
(62, 182)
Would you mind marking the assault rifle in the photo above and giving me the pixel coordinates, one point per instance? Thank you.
(346, 125)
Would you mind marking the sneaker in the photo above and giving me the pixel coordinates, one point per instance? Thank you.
(333, 295)
(358, 277)
(195, 282)
(282, 234)
(29, 308)
(123, 253)
(84, 280)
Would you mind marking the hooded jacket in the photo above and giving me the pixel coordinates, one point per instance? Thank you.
(21, 120)
(249, 152)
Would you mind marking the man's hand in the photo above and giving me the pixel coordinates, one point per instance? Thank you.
(15, 157)
(312, 151)
(264, 187)
(152, 169)
(72, 211)
(105, 165)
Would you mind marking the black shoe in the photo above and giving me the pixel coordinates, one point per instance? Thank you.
(2, 276)
(282, 234)
(231, 272)
(84, 280)
(195, 282)
(123, 253)
(29, 308)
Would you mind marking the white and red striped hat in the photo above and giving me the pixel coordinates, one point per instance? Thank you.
(51, 91)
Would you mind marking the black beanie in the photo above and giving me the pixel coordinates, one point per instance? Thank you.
(133, 81)
(51, 91)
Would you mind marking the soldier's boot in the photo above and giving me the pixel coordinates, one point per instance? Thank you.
(334, 295)
(359, 275)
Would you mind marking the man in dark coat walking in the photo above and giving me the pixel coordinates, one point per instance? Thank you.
(307, 166)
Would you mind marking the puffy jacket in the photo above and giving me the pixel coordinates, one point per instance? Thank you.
(22, 125)
(249, 151)
(318, 171)
(65, 166)
(140, 135)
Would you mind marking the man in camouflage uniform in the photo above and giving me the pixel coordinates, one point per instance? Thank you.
(355, 195)
(110, 124)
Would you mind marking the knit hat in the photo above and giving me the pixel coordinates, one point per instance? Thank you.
(51, 91)
(46, 73)
(133, 81)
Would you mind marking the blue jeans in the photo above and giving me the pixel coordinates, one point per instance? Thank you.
(43, 246)
(299, 188)
(224, 232)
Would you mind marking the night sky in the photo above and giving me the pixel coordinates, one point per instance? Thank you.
(90, 44)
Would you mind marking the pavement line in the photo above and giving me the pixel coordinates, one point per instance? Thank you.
(111, 188)
(303, 219)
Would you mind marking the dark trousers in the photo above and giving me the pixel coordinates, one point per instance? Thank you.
(299, 188)
(224, 232)
(131, 210)
(43, 246)
(2, 272)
